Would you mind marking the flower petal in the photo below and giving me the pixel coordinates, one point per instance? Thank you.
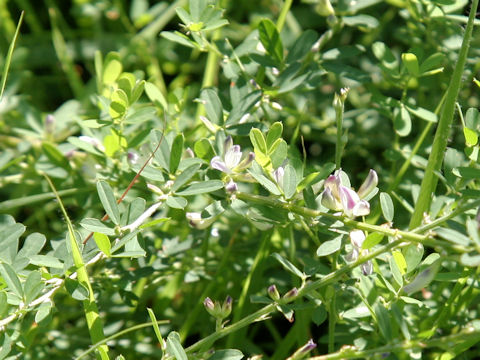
(217, 163)
(232, 156)
(362, 208)
(329, 201)
(357, 237)
(349, 199)
(368, 185)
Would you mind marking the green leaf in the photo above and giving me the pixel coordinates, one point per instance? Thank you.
(96, 225)
(468, 173)
(432, 62)
(422, 113)
(402, 121)
(384, 321)
(386, 204)
(156, 329)
(103, 243)
(54, 155)
(174, 346)
(361, 21)
(155, 95)
(471, 260)
(270, 39)
(33, 286)
(32, 245)
(400, 261)
(302, 46)
(111, 71)
(411, 63)
(388, 60)
(424, 278)
(109, 203)
(372, 240)
(278, 153)
(43, 311)
(472, 118)
(76, 290)
(330, 246)
(227, 354)
(11, 233)
(126, 82)
(213, 106)
(258, 141)
(243, 107)
(11, 279)
(47, 261)
(204, 149)
(289, 182)
(176, 202)
(413, 256)
(176, 153)
(179, 38)
(185, 176)
(288, 265)
(396, 273)
(273, 134)
(471, 137)
(202, 187)
(265, 182)
(453, 236)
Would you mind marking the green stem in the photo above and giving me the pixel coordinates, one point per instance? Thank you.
(117, 335)
(66, 60)
(283, 14)
(158, 24)
(430, 179)
(94, 323)
(412, 236)
(263, 313)
(211, 69)
(8, 59)
(338, 105)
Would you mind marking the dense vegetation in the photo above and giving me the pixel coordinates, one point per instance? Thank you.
(239, 179)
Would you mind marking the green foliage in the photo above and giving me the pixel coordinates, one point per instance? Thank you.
(207, 149)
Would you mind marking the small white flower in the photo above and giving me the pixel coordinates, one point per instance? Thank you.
(231, 160)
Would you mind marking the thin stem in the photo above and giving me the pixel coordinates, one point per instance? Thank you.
(283, 14)
(158, 24)
(430, 180)
(263, 313)
(412, 236)
(94, 322)
(339, 106)
(8, 59)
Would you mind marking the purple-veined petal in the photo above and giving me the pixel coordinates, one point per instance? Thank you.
(246, 162)
(367, 268)
(329, 201)
(232, 156)
(349, 199)
(227, 144)
(368, 185)
(217, 163)
(333, 183)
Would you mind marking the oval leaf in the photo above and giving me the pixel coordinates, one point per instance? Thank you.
(202, 187)
(330, 246)
(109, 203)
(386, 204)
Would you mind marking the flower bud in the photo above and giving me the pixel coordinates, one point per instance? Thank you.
(292, 294)
(231, 187)
(368, 185)
(357, 237)
(49, 123)
(278, 175)
(227, 306)
(273, 292)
